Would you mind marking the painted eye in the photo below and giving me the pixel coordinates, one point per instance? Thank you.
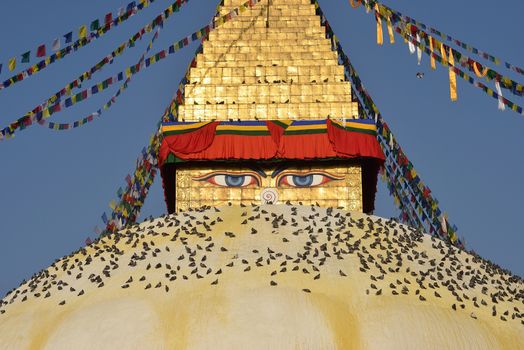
(306, 180)
(229, 180)
(232, 180)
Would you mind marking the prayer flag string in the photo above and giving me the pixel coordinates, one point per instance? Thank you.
(59, 104)
(417, 38)
(425, 40)
(30, 117)
(84, 39)
(445, 61)
(108, 104)
(126, 211)
(424, 207)
(483, 54)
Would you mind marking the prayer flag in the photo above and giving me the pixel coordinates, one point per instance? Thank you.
(68, 37)
(380, 37)
(109, 18)
(131, 5)
(95, 25)
(25, 57)
(121, 11)
(452, 76)
(56, 44)
(502, 106)
(82, 32)
(40, 52)
(431, 48)
(104, 218)
(419, 51)
(12, 64)
(390, 31)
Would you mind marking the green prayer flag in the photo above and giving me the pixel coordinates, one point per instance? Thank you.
(25, 57)
(95, 25)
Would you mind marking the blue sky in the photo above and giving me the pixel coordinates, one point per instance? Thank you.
(56, 184)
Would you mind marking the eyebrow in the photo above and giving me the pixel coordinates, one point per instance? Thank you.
(278, 170)
(258, 170)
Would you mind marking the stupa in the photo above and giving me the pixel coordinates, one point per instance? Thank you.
(269, 177)
(268, 117)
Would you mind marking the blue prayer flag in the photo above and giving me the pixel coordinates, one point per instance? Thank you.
(68, 37)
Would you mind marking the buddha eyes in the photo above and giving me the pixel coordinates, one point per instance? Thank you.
(305, 180)
(285, 179)
(230, 179)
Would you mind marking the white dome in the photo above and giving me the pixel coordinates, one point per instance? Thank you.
(270, 277)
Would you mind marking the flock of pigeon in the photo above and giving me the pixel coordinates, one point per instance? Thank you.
(394, 260)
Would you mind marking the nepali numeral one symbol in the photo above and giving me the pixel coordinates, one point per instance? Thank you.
(269, 196)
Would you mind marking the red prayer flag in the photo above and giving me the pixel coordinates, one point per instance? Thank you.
(40, 52)
(109, 18)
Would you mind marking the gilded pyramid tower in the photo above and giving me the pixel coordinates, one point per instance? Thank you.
(272, 62)
(268, 117)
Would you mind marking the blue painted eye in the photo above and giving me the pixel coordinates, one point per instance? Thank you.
(229, 180)
(306, 180)
(302, 181)
(235, 180)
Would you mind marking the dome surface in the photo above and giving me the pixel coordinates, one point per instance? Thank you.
(266, 277)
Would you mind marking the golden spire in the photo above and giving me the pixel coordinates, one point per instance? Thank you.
(252, 70)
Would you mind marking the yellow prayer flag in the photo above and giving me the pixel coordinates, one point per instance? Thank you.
(82, 32)
(390, 31)
(128, 72)
(452, 77)
(45, 113)
(432, 49)
(380, 36)
(12, 64)
(442, 53)
(355, 5)
(478, 72)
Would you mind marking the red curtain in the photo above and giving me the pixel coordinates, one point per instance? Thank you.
(354, 144)
(235, 147)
